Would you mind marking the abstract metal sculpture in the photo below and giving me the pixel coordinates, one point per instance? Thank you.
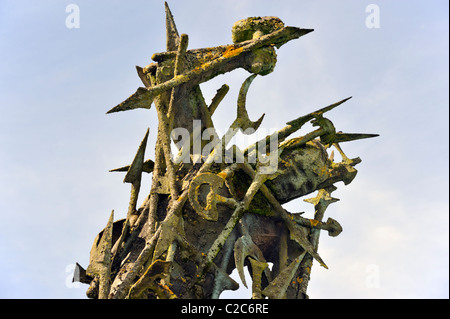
(212, 209)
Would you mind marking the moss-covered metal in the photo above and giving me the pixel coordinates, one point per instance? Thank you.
(203, 219)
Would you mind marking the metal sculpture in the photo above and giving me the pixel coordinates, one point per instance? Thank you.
(209, 212)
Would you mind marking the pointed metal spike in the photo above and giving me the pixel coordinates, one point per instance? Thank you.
(135, 171)
(294, 125)
(100, 259)
(100, 251)
(147, 167)
(347, 137)
(298, 234)
(172, 37)
(239, 259)
(120, 169)
(277, 287)
(303, 119)
(141, 99)
(79, 275)
(290, 34)
(223, 280)
(308, 247)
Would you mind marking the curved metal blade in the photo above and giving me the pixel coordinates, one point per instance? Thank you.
(242, 114)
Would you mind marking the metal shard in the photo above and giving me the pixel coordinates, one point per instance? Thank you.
(79, 275)
(347, 137)
(147, 167)
(277, 287)
(299, 234)
(172, 37)
(141, 99)
(100, 259)
(243, 120)
(297, 123)
(135, 170)
(223, 282)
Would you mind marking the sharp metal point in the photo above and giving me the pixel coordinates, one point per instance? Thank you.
(303, 119)
(347, 137)
(141, 99)
(147, 167)
(135, 171)
(172, 36)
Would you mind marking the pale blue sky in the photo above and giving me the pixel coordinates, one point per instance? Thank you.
(57, 144)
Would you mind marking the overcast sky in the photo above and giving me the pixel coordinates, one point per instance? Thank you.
(57, 144)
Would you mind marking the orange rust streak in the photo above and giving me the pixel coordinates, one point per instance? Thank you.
(314, 222)
(231, 51)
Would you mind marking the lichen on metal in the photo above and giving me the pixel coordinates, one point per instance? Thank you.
(211, 212)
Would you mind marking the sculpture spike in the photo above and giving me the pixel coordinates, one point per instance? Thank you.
(134, 176)
(141, 99)
(172, 37)
(297, 123)
(147, 167)
(277, 287)
(135, 170)
(100, 260)
(294, 125)
(347, 137)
